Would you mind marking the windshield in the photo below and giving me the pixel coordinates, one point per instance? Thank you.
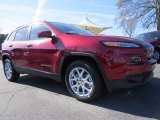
(70, 29)
(149, 36)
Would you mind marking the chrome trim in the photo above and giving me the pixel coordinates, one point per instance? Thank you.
(150, 49)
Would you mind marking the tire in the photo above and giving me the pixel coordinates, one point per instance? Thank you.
(9, 71)
(83, 81)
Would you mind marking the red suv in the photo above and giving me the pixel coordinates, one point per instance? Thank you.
(84, 62)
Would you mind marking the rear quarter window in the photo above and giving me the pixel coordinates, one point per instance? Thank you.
(11, 36)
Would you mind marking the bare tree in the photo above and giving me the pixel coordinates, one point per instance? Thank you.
(129, 26)
(145, 12)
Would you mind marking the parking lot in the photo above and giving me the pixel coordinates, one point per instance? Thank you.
(35, 98)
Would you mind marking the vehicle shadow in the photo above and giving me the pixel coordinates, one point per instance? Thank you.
(142, 101)
(43, 83)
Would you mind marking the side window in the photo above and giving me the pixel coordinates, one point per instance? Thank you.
(11, 37)
(22, 34)
(35, 29)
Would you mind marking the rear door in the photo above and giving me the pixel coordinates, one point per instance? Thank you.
(42, 50)
(20, 50)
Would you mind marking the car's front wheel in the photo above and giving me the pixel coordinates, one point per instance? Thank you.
(9, 71)
(83, 81)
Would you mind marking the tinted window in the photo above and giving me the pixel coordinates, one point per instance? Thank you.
(22, 34)
(12, 35)
(36, 29)
(70, 29)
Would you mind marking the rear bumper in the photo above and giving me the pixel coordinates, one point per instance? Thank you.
(130, 81)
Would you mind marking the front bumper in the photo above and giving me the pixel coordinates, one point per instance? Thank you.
(119, 73)
(130, 81)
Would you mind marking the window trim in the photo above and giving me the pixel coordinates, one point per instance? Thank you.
(11, 34)
(22, 28)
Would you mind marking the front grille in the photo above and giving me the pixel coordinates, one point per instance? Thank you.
(150, 49)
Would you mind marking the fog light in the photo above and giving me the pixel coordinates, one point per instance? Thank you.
(135, 60)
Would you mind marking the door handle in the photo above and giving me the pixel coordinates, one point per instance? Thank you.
(29, 45)
(10, 45)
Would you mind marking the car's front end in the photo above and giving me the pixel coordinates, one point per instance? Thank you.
(126, 62)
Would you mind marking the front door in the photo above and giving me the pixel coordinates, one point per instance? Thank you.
(42, 50)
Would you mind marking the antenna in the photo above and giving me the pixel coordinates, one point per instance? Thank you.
(90, 4)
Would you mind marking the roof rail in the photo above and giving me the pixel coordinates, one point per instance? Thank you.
(31, 22)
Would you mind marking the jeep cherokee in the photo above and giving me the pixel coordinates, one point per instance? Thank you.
(83, 61)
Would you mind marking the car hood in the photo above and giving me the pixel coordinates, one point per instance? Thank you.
(106, 38)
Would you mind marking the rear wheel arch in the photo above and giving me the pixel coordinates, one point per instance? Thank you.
(5, 56)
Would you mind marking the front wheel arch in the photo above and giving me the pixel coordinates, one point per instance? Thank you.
(68, 58)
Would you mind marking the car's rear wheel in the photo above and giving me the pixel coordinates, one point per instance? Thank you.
(9, 71)
(83, 81)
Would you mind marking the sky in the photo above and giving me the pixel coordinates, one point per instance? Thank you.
(18, 12)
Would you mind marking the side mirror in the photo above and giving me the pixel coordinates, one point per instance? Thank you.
(45, 34)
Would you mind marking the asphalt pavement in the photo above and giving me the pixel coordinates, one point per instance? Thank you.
(36, 98)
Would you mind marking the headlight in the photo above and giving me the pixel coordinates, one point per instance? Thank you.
(120, 44)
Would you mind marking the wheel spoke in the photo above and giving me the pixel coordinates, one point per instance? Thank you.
(73, 75)
(81, 75)
(78, 87)
(77, 70)
(89, 83)
(83, 91)
(73, 80)
(88, 90)
(10, 70)
(74, 86)
(85, 79)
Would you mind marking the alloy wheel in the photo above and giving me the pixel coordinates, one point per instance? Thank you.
(8, 69)
(81, 82)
